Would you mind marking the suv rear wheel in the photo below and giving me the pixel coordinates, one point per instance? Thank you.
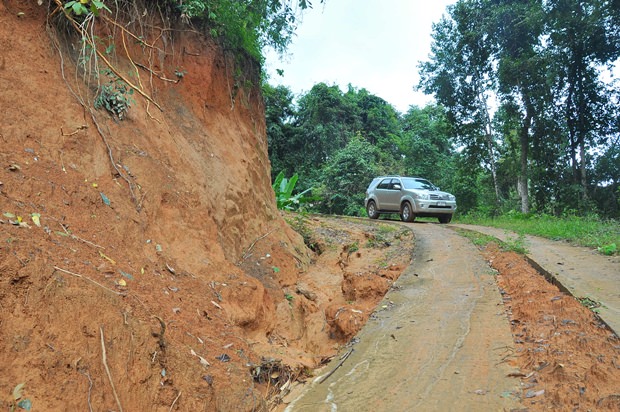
(371, 209)
(406, 214)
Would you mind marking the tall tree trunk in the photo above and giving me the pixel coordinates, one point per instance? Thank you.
(490, 147)
(522, 182)
(582, 167)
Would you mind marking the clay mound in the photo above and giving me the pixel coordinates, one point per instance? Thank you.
(143, 262)
(141, 224)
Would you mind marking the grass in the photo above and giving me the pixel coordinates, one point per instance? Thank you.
(592, 232)
(481, 240)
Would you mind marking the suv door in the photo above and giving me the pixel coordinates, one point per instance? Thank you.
(381, 193)
(391, 196)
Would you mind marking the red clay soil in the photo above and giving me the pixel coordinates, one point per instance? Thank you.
(143, 262)
(568, 358)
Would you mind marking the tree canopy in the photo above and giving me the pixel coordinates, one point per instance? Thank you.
(526, 115)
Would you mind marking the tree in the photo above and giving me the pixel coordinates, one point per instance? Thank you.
(346, 176)
(426, 145)
(279, 115)
(326, 120)
(460, 76)
(583, 37)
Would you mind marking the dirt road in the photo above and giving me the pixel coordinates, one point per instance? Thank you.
(438, 341)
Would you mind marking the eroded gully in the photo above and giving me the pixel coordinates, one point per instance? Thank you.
(438, 341)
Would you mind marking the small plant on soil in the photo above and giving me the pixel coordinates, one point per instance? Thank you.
(299, 225)
(115, 97)
(608, 249)
(515, 244)
(18, 401)
(590, 303)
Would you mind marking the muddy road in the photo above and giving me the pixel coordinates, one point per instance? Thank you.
(439, 340)
(467, 328)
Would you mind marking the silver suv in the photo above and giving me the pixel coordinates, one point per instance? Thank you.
(411, 197)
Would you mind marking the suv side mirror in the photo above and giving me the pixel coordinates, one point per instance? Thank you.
(396, 187)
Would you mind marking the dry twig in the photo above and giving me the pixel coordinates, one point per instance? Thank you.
(107, 370)
(247, 252)
(344, 358)
(175, 401)
(89, 279)
(72, 236)
(90, 387)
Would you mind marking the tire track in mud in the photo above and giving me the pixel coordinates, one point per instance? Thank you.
(438, 341)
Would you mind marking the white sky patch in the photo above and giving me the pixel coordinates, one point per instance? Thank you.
(371, 44)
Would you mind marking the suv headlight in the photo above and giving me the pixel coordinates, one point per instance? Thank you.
(452, 197)
(423, 196)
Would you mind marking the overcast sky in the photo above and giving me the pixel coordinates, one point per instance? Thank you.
(371, 44)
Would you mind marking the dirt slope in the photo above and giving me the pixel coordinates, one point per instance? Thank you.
(143, 263)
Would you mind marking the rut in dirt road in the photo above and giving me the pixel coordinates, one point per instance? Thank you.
(439, 340)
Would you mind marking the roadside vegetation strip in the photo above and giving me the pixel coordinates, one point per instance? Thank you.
(601, 234)
(482, 240)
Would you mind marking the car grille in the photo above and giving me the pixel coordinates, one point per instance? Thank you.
(439, 197)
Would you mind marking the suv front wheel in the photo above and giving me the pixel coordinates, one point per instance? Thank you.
(406, 214)
(445, 219)
(371, 209)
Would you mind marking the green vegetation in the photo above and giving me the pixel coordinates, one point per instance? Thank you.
(477, 238)
(247, 25)
(590, 303)
(81, 8)
(589, 231)
(299, 223)
(243, 28)
(525, 118)
(481, 240)
(283, 188)
(115, 97)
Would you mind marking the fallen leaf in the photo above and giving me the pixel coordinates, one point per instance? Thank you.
(127, 275)
(17, 391)
(107, 258)
(25, 404)
(36, 218)
(105, 199)
(223, 358)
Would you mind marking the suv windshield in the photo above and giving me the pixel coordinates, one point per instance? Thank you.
(418, 184)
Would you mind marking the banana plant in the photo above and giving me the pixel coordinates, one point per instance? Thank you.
(283, 188)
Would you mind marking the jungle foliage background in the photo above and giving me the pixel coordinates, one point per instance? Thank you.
(526, 119)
